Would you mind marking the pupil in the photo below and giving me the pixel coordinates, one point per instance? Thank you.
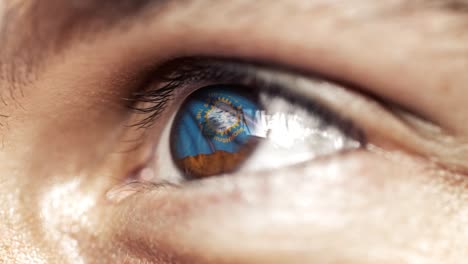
(213, 131)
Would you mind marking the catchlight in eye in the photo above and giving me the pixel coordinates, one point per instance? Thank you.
(214, 130)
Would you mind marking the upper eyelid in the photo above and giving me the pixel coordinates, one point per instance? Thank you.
(162, 82)
(180, 73)
(169, 76)
(200, 72)
(186, 71)
(177, 74)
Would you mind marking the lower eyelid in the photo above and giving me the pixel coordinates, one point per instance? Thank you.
(254, 188)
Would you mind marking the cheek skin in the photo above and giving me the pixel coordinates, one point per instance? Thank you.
(359, 208)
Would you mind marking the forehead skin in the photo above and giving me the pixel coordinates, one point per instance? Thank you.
(74, 57)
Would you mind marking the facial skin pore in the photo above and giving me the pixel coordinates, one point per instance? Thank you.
(66, 65)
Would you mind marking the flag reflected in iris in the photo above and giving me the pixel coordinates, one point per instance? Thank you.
(213, 131)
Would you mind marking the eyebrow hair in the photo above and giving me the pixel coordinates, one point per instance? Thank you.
(459, 6)
(34, 28)
(74, 12)
(96, 15)
(70, 15)
(34, 18)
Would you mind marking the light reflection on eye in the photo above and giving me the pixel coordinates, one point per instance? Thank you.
(223, 128)
(215, 131)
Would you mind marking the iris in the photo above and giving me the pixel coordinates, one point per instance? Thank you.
(213, 132)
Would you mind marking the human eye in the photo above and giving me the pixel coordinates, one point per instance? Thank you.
(217, 117)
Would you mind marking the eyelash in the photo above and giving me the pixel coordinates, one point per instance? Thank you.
(152, 101)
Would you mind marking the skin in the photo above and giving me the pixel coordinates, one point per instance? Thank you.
(403, 199)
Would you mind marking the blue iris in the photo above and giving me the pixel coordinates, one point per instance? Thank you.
(212, 120)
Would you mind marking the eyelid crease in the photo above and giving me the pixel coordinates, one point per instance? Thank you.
(428, 139)
(441, 148)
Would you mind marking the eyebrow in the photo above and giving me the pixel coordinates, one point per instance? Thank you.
(81, 11)
(459, 6)
(95, 15)
(33, 28)
(60, 18)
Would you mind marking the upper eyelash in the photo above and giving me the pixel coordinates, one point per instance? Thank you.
(158, 100)
(180, 72)
(171, 76)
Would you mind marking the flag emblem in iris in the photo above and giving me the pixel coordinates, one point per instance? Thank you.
(212, 132)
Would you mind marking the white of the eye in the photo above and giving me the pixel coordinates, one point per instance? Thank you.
(164, 167)
(291, 135)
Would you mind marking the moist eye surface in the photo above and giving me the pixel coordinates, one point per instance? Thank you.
(222, 129)
(239, 117)
(214, 131)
